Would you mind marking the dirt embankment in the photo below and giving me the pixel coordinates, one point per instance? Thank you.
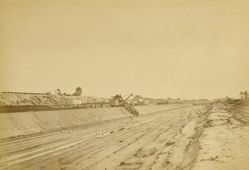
(25, 123)
(164, 139)
(24, 102)
(225, 141)
(39, 99)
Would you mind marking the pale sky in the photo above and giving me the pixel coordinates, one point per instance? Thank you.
(168, 48)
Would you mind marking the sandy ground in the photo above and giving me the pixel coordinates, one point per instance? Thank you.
(225, 140)
(196, 137)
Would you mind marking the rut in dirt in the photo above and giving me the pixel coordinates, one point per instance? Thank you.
(174, 147)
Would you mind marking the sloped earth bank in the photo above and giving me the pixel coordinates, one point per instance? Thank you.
(19, 124)
(225, 141)
(173, 139)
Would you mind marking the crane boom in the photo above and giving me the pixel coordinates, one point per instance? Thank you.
(128, 106)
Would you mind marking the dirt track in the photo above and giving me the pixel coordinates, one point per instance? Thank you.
(160, 140)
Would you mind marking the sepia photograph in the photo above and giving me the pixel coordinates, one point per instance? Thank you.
(124, 85)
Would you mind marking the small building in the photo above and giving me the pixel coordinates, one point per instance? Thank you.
(77, 101)
(115, 101)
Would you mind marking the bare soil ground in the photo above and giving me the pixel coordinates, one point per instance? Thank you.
(225, 141)
(196, 137)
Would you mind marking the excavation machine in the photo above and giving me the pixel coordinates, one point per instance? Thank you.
(119, 101)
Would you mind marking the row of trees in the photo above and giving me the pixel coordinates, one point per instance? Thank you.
(78, 92)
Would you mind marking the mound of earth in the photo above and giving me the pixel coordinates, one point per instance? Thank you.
(17, 99)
